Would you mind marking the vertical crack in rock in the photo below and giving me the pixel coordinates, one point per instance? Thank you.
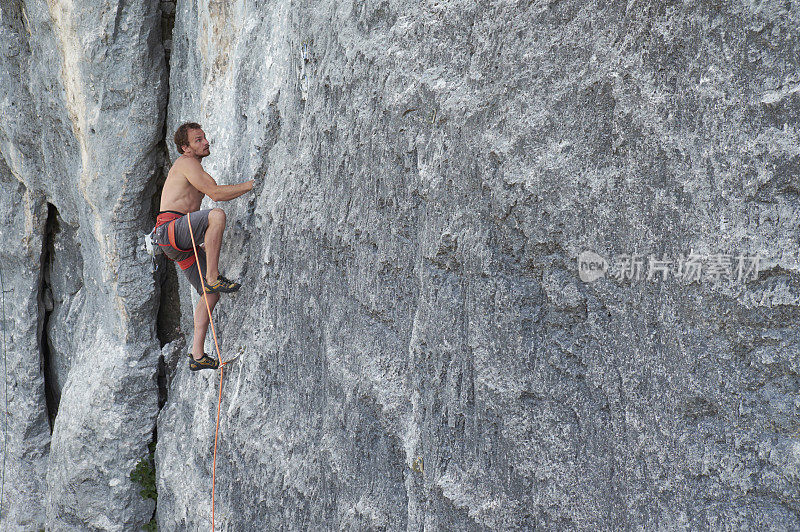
(162, 382)
(46, 305)
(168, 319)
(167, 23)
(169, 312)
(153, 516)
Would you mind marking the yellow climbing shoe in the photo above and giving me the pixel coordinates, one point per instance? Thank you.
(206, 362)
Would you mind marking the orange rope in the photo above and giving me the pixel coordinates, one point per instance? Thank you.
(222, 365)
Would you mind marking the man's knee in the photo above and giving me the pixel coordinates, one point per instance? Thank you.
(216, 217)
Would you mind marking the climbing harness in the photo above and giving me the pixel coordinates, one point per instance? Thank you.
(219, 357)
(153, 247)
(170, 217)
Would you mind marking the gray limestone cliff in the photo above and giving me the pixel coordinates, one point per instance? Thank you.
(419, 350)
(83, 101)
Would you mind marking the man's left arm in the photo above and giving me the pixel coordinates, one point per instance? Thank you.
(229, 192)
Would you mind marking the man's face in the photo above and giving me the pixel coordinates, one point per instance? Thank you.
(198, 145)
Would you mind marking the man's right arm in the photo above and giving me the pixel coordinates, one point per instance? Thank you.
(206, 184)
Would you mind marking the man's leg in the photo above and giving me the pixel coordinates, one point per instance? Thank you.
(201, 323)
(208, 225)
(213, 243)
(201, 320)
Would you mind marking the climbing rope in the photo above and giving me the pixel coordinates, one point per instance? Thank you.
(221, 367)
(5, 389)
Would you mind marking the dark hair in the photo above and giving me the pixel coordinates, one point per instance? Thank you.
(182, 135)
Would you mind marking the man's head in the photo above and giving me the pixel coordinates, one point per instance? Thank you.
(191, 140)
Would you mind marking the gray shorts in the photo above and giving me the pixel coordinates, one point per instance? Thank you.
(183, 240)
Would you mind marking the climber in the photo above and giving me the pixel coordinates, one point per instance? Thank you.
(186, 185)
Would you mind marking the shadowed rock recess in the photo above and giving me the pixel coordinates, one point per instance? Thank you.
(419, 350)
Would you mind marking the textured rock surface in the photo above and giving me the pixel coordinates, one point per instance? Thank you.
(84, 93)
(419, 349)
(26, 431)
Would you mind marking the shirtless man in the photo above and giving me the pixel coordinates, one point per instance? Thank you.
(186, 185)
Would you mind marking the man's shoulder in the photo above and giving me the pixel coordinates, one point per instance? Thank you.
(185, 161)
(183, 164)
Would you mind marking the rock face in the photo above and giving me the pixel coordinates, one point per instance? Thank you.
(419, 350)
(84, 94)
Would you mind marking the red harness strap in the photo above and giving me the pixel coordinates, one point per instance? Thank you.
(170, 217)
(186, 263)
